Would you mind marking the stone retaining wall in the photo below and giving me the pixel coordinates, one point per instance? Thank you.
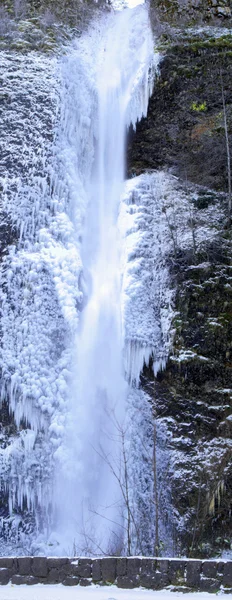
(151, 573)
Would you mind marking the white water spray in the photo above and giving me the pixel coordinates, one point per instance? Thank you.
(91, 485)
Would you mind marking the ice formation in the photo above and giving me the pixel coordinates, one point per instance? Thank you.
(86, 300)
(146, 292)
(91, 455)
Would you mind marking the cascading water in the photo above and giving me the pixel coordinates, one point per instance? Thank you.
(85, 300)
(92, 509)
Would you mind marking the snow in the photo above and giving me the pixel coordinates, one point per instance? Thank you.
(147, 296)
(47, 192)
(155, 222)
(121, 4)
(45, 282)
(59, 592)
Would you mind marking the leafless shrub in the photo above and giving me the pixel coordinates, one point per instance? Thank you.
(4, 21)
(20, 7)
(48, 18)
(227, 144)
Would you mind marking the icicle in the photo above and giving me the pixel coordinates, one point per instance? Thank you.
(215, 499)
(136, 355)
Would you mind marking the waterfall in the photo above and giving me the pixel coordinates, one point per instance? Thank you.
(92, 508)
(79, 289)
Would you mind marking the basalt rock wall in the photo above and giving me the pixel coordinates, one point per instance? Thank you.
(150, 573)
(185, 134)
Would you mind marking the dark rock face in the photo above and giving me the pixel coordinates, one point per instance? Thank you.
(184, 129)
(192, 12)
(192, 399)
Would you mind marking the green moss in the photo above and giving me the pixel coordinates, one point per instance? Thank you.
(199, 106)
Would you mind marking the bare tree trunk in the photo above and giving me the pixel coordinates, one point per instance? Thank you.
(197, 516)
(156, 497)
(127, 495)
(227, 143)
(172, 230)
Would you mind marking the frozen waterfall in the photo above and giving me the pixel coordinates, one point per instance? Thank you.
(93, 505)
(85, 296)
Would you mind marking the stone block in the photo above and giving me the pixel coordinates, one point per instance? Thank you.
(227, 575)
(84, 582)
(128, 583)
(7, 563)
(68, 569)
(109, 569)
(34, 580)
(209, 568)
(220, 567)
(148, 566)
(26, 580)
(57, 563)
(209, 585)
(121, 567)
(133, 566)
(96, 570)
(162, 565)
(24, 565)
(176, 572)
(152, 582)
(70, 581)
(5, 575)
(84, 568)
(40, 566)
(193, 571)
(54, 576)
(19, 580)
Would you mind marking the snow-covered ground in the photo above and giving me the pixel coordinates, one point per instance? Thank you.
(59, 592)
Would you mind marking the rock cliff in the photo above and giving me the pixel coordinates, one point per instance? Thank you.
(184, 134)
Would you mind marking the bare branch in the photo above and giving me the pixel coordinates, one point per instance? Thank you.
(227, 143)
